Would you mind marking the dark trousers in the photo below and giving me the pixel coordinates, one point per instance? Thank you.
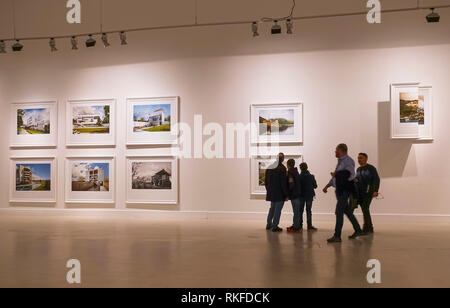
(308, 202)
(365, 203)
(296, 205)
(343, 208)
(273, 219)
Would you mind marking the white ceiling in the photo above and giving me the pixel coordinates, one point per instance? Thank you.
(46, 18)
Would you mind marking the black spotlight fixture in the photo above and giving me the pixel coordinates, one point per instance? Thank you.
(17, 46)
(105, 40)
(123, 38)
(433, 17)
(2, 46)
(289, 26)
(276, 28)
(52, 44)
(74, 42)
(255, 29)
(90, 42)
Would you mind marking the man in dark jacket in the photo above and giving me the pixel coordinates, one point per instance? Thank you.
(308, 185)
(277, 193)
(368, 187)
(295, 189)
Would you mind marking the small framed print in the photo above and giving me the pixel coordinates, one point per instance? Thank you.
(151, 121)
(34, 124)
(90, 180)
(33, 180)
(277, 123)
(260, 164)
(152, 180)
(91, 123)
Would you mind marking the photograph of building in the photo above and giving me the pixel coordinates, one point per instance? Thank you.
(151, 175)
(33, 121)
(152, 118)
(33, 177)
(90, 177)
(91, 119)
(276, 122)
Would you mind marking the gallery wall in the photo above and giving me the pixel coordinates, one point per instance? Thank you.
(339, 68)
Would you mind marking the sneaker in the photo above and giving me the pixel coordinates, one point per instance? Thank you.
(277, 229)
(312, 228)
(368, 230)
(334, 239)
(356, 235)
(268, 227)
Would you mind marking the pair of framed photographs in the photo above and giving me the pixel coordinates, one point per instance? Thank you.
(150, 121)
(280, 124)
(149, 180)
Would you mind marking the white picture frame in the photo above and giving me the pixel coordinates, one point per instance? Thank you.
(39, 127)
(290, 112)
(29, 177)
(141, 130)
(87, 123)
(255, 178)
(83, 185)
(143, 189)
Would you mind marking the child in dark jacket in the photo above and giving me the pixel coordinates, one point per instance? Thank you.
(308, 185)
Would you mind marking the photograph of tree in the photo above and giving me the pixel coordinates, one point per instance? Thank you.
(409, 108)
(90, 176)
(152, 118)
(152, 175)
(276, 122)
(33, 177)
(91, 119)
(33, 121)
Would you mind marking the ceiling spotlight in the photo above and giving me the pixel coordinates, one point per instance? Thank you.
(74, 43)
(2, 46)
(433, 17)
(90, 42)
(123, 38)
(105, 40)
(289, 26)
(17, 46)
(255, 29)
(276, 28)
(52, 44)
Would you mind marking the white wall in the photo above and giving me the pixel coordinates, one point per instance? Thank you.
(340, 68)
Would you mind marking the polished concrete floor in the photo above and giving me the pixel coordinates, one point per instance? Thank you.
(113, 252)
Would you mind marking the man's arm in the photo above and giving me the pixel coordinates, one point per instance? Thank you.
(375, 180)
(266, 179)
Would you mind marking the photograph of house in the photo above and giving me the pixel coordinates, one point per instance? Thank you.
(276, 122)
(90, 177)
(151, 175)
(152, 118)
(33, 121)
(33, 177)
(91, 119)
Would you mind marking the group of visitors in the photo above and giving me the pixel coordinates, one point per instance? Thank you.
(352, 189)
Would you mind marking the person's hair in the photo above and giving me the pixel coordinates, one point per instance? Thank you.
(291, 163)
(365, 155)
(343, 147)
(303, 166)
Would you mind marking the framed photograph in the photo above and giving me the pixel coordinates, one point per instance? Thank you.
(150, 121)
(152, 180)
(34, 124)
(33, 180)
(426, 107)
(91, 123)
(277, 123)
(90, 180)
(258, 168)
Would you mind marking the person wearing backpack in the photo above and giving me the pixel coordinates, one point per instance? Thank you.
(308, 184)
